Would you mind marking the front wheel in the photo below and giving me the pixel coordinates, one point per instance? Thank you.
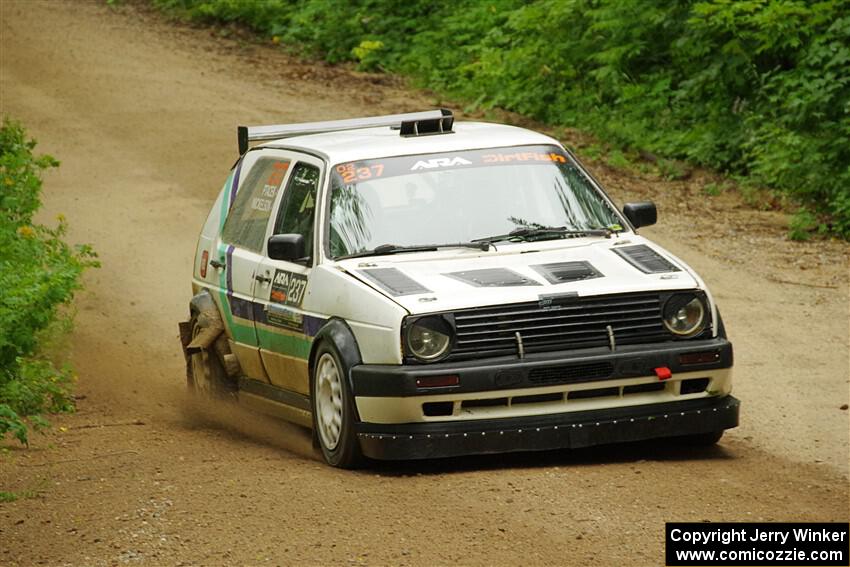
(702, 439)
(333, 410)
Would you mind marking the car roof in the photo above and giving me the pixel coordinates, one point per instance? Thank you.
(370, 143)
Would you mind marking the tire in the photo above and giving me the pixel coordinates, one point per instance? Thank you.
(333, 409)
(702, 439)
(206, 377)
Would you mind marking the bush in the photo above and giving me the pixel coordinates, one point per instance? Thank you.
(753, 87)
(39, 273)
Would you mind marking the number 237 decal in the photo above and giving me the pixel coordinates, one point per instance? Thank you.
(288, 288)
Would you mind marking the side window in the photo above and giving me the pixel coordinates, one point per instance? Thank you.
(248, 218)
(297, 209)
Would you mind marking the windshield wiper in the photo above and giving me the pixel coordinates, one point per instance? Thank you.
(526, 232)
(385, 249)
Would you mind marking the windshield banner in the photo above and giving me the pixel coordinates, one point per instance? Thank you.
(353, 172)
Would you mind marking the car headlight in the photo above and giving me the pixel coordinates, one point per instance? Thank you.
(429, 338)
(684, 314)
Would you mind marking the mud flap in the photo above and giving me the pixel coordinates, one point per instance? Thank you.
(227, 358)
(185, 334)
(211, 329)
(210, 339)
(211, 336)
(186, 338)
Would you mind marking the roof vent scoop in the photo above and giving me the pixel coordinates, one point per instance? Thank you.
(428, 126)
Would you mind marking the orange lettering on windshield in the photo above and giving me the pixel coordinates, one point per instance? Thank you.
(523, 157)
(351, 174)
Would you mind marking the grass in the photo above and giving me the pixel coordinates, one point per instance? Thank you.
(6, 496)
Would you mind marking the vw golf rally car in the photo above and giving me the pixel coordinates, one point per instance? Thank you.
(410, 287)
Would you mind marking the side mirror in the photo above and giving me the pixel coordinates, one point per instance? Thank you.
(641, 214)
(287, 247)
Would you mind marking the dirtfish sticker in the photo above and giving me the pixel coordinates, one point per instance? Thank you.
(288, 288)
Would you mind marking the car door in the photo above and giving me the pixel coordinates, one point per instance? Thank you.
(241, 247)
(285, 329)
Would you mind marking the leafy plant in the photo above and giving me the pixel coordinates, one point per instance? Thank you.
(367, 53)
(759, 88)
(618, 159)
(671, 169)
(712, 189)
(39, 273)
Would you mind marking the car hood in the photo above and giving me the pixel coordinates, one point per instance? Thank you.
(459, 278)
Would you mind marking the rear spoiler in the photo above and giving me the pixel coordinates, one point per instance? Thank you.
(410, 124)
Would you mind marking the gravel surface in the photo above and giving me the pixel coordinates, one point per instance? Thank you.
(141, 113)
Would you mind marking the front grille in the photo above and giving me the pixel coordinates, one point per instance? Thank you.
(595, 393)
(581, 323)
(571, 373)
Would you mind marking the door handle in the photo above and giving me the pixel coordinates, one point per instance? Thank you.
(217, 265)
(262, 279)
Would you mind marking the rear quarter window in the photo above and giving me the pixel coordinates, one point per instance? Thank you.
(248, 218)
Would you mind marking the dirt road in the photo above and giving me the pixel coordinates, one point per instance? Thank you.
(142, 115)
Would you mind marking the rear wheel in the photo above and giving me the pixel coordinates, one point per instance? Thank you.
(333, 410)
(207, 378)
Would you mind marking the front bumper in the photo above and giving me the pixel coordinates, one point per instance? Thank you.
(507, 373)
(540, 433)
(545, 400)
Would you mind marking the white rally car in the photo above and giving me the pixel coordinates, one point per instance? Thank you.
(410, 287)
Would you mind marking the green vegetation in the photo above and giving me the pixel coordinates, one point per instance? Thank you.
(6, 496)
(39, 273)
(756, 88)
(29, 493)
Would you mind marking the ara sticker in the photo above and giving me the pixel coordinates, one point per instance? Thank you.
(439, 162)
(288, 288)
(371, 170)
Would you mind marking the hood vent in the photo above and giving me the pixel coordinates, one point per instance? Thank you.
(646, 259)
(562, 272)
(394, 281)
(492, 277)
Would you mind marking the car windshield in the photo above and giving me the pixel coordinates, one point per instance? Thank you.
(457, 197)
